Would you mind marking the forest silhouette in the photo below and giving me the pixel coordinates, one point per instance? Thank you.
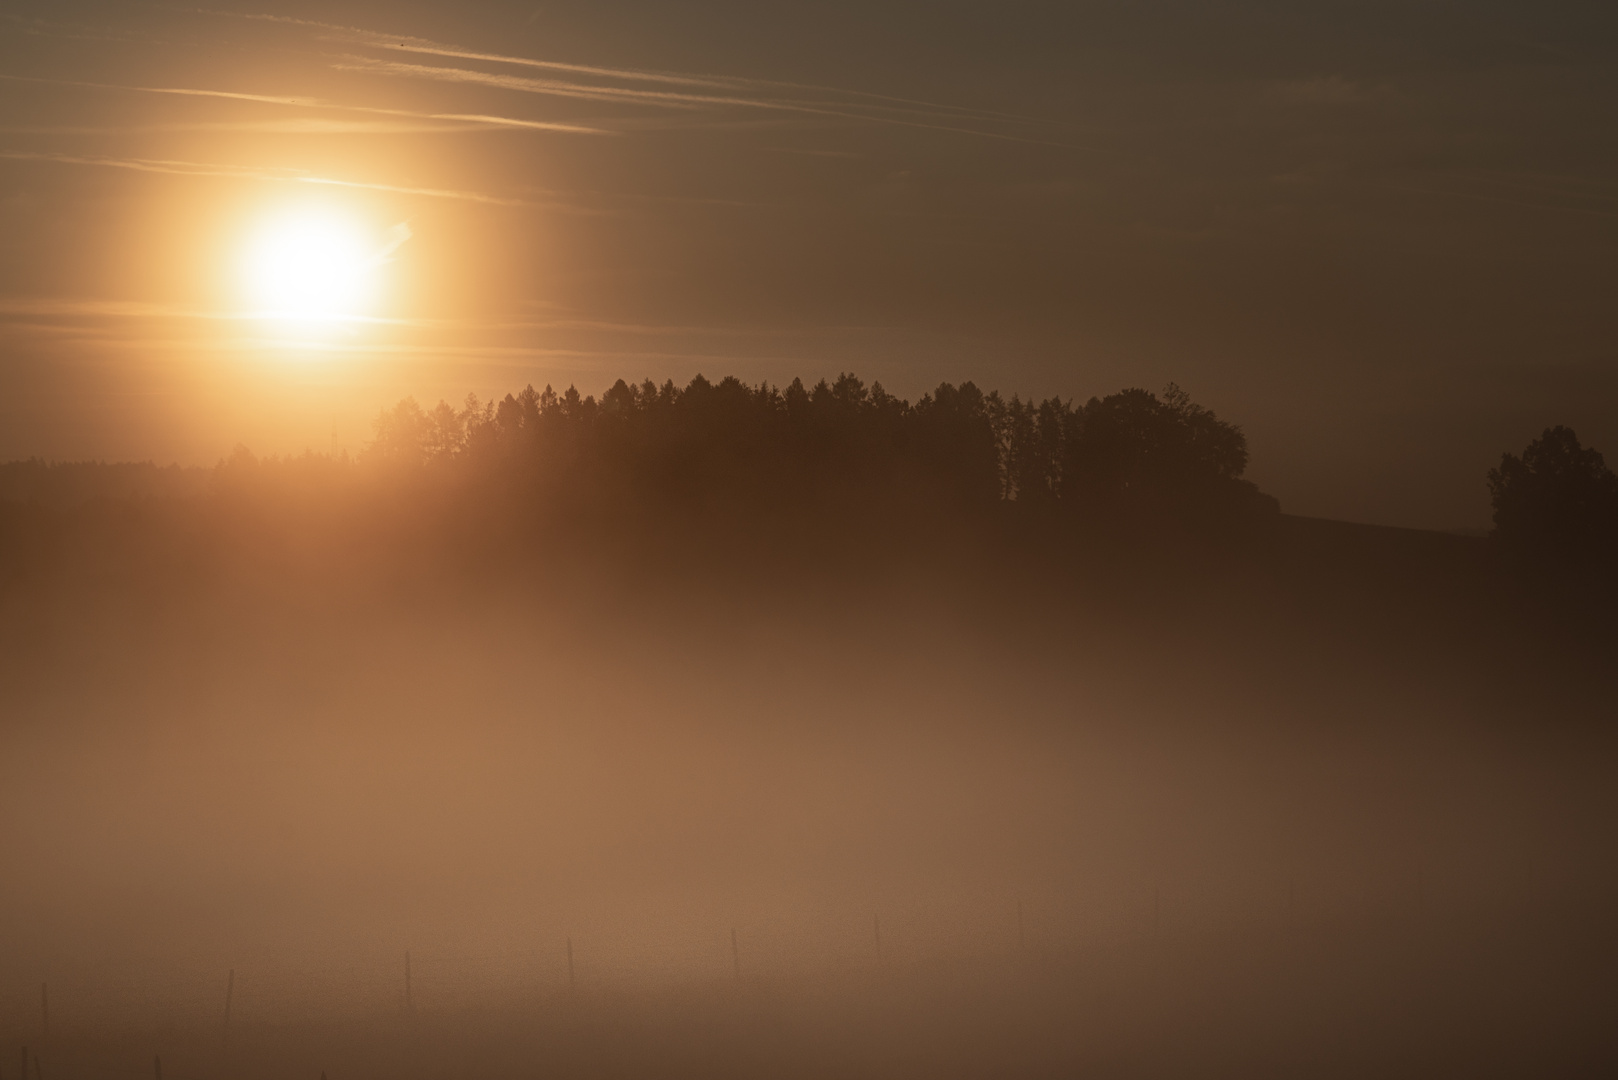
(843, 444)
(726, 474)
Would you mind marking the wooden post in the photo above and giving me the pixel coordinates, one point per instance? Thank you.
(157, 1066)
(1157, 904)
(230, 992)
(410, 1002)
(44, 1013)
(572, 983)
(735, 954)
(38, 1073)
(1020, 938)
(876, 927)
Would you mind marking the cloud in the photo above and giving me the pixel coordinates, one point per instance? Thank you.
(666, 99)
(553, 87)
(425, 47)
(300, 126)
(178, 168)
(465, 121)
(61, 308)
(732, 91)
(433, 193)
(680, 91)
(196, 168)
(55, 307)
(485, 120)
(315, 103)
(269, 99)
(397, 236)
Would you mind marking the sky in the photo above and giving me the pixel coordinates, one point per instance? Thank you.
(1379, 236)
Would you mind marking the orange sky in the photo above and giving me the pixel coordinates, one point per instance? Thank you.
(1382, 239)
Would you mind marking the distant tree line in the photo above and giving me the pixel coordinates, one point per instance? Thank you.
(843, 443)
(1556, 505)
(70, 483)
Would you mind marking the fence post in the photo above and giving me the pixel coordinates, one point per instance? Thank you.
(45, 1014)
(735, 954)
(230, 991)
(410, 1002)
(572, 982)
(876, 928)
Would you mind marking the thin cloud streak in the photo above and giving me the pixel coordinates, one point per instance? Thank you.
(913, 106)
(270, 99)
(315, 103)
(436, 193)
(484, 120)
(24, 308)
(432, 193)
(512, 355)
(871, 112)
(175, 168)
(426, 47)
(270, 127)
(52, 307)
(656, 98)
(193, 168)
(934, 117)
(67, 308)
(551, 87)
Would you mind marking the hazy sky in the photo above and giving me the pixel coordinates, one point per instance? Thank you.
(1381, 236)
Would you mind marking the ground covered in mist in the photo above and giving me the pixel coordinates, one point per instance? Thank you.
(976, 793)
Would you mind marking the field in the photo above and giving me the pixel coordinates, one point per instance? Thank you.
(1332, 801)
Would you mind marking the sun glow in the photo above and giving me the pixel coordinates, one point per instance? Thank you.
(315, 265)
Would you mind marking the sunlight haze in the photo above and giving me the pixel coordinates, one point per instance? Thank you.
(819, 540)
(1383, 243)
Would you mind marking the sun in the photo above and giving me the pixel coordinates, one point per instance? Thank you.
(313, 264)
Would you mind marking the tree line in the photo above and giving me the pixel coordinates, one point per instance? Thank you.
(844, 446)
(843, 442)
(1556, 505)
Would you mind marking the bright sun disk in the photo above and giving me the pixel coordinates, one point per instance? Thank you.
(311, 265)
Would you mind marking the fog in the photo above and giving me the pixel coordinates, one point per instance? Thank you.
(412, 667)
(1331, 801)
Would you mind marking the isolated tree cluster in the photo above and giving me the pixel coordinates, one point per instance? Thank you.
(1557, 504)
(844, 442)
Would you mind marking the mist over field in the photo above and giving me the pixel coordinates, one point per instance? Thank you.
(976, 792)
(891, 540)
